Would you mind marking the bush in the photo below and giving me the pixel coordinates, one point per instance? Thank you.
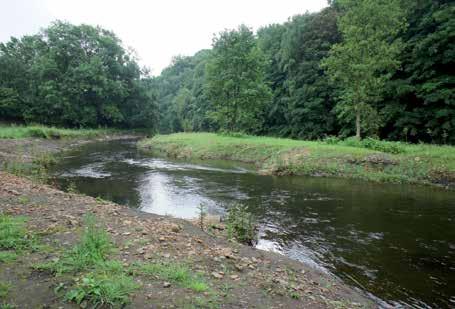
(368, 143)
(240, 224)
(331, 140)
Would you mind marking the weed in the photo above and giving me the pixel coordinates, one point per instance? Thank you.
(240, 224)
(13, 234)
(71, 188)
(177, 273)
(7, 256)
(4, 289)
(92, 250)
(103, 290)
(202, 212)
(45, 160)
(24, 200)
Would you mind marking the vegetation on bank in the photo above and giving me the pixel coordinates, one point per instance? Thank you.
(39, 131)
(367, 159)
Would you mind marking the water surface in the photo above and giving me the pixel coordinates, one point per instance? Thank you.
(396, 242)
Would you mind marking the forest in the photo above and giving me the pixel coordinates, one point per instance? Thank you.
(366, 68)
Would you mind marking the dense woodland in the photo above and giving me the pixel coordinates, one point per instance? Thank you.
(358, 67)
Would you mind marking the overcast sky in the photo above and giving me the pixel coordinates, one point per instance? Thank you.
(157, 30)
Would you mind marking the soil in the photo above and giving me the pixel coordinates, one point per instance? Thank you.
(241, 276)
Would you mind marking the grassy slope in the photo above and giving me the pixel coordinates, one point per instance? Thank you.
(427, 164)
(16, 132)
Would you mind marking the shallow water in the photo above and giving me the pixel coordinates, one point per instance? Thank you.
(396, 242)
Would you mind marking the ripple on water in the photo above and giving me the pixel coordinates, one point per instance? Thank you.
(93, 170)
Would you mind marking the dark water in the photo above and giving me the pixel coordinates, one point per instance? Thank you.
(396, 242)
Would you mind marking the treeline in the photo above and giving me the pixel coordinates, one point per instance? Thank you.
(371, 68)
(358, 67)
(74, 76)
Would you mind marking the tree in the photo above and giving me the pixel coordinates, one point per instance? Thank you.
(362, 63)
(420, 101)
(73, 75)
(235, 81)
(307, 40)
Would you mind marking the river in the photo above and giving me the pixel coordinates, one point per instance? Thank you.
(395, 242)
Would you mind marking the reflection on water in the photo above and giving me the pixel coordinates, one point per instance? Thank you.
(398, 242)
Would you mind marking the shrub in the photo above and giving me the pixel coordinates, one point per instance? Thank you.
(331, 140)
(240, 224)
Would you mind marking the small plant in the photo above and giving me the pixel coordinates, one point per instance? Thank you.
(4, 289)
(92, 250)
(13, 234)
(240, 224)
(71, 188)
(7, 256)
(202, 212)
(103, 290)
(45, 160)
(331, 140)
(174, 272)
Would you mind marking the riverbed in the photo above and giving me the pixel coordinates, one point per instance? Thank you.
(395, 242)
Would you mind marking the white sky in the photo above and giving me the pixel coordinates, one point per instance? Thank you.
(157, 30)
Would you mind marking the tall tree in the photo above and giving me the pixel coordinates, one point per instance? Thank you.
(235, 81)
(420, 102)
(307, 40)
(73, 75)
(362, 63)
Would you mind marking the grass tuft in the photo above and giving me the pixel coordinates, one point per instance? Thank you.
(92, 250)
(174, 272)
(13, 234)
(103, 290)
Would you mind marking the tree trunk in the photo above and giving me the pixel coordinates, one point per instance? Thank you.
(357, 124)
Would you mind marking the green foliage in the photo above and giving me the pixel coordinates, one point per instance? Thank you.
(362, 63)
(7, 256)
(73, 76)
(174, 272)
(13, 234)
(103, 290)
(369, 143)
(419, 103)
(240, 224)
(92, 250)
(235, 81)
(4, 289)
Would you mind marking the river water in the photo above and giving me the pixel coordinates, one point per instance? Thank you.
(395, 242)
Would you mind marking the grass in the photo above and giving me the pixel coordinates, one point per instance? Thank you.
(7, 256)
(370, 160)
(4, 289)
(103, 290)
(91, 251)
(39, 131)
(13, 234)
(174, 272)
